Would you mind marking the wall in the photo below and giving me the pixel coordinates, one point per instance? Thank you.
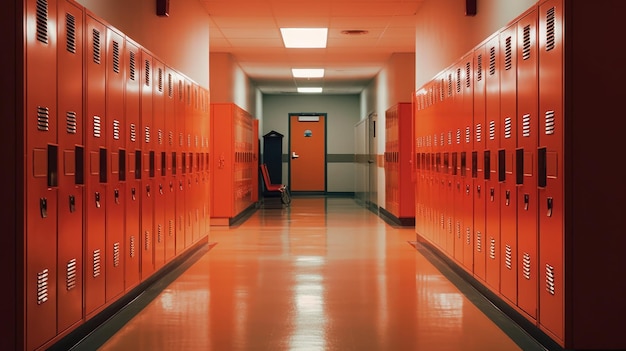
(180, 40)
(444, 33)
(229, 83)
(343, 114)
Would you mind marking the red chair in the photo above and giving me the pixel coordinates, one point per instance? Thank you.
(282, 188)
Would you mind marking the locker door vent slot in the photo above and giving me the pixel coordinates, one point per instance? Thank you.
(479, 68)
(116, 129)
(43, 119)
(449, 137)
(468, 236)
(70, 28)
(508, 127)
(147, 73)
(71, 274)
(97, 127)
(479, 133)
(508, 257)
(160, 136)
(449, 225)
(147, 240)
(170, 138)
(147, 134)
(181, 138)
(458, 230)
(527, 46)
(492, 248)
(133, 132)
(492, 61)
(479, 245)
(160, 233)
(492, 130)
(160, 80)
(116, 254)
(549, 122)
(170, 86)
(508, 54)
(550, 286)
(442, 221)
(132, 247)
(96, 47)
(526, 265)
(442, 89)
(468, 135)
(458, 80)
(458, 136)
(171, 228)
(42, 21)
(132, 66)
(188, 140)
(526, 126)
(42, 286)
(180, 91)
(550, 29)
(449, 85)
(468, 74)
(116, 57)
(71, 122)
(197, 141)
(96, 263)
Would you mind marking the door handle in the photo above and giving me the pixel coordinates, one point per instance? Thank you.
(294, 155)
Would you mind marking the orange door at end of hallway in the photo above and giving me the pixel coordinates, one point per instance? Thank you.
(307, 153)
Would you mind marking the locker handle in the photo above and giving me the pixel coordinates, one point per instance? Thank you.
(542, 167)
(550, 205)
(180, 184)
(53, 166)
(72, 199)
(519, 166)
(43, 207)
(161, 189)
(97, 198)
(116, 195)
(526, 201)
(508, 198)
(171, 186)
(148, 190)
(467, 189)
(478, 189)
(492, 193)
(133, 193)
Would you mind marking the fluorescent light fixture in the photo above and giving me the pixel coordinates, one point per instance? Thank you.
(309, 90)
(307, 72)
(304, 37)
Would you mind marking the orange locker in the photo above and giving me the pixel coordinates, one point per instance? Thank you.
(96, 164)
(233, 166)
(399, 195)
(133, 134)
(525, 160)
(194, 164)
(41, 183)
(467, 147)
(160, 161)
(180, 167)
(481, 244)
(170, 164)
(116, 145)
(458, 162)
(506, 158)
(188, 164)
(148, 165)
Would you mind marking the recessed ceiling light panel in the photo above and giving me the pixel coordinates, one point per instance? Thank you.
(310, 90)
(304, 37)
(307, 72)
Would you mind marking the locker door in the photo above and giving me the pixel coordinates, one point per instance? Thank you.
(506, 153)
(158, 96)
(550, 168)
(132, 246)
(71, 176)
(188, 164)
(459, 165)
(170, 180)
(181, 165)
(116, 144)
(97, 165)
(41, 188)
(490, 159)
(467, 178)
(525, 176)
(481, 244)
(195, 163)
(451, 151)
(148, 166)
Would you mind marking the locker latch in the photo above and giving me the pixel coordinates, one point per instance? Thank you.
(161, 189)
(526, 201)
(467, 189)
(97, 200)
(72, 204)
(180, 184)
(171, 186)
(478, 189)
(133, 194)
(148, 190)
(550, 204)
(116, 194)
(43, 207)
(508, 198)
(492, 193)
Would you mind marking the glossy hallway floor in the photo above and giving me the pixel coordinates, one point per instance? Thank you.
(323, 274)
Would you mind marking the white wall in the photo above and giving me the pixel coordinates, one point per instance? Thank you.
(343, 112)
(229, 83)
(181, 40)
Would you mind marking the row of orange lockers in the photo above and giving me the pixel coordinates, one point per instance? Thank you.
(117, 169)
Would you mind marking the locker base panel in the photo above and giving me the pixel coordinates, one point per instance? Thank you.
(238, 219)
(391, 219)
(482, 296)
(129, 304)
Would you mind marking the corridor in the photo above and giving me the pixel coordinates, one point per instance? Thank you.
(323, 274)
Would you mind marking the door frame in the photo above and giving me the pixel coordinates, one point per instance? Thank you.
(310, 114)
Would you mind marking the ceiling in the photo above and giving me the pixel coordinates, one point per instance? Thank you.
(250, 31)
